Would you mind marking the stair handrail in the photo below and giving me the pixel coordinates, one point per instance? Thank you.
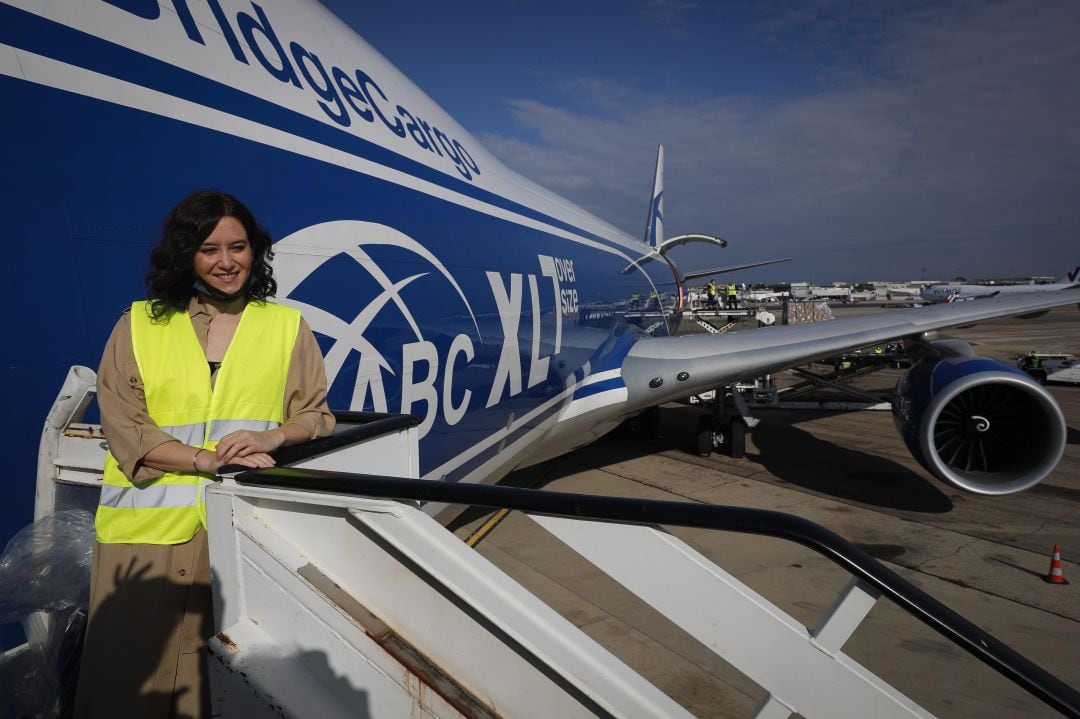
(951, 625)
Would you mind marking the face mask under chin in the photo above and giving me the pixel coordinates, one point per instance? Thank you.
(219, 296)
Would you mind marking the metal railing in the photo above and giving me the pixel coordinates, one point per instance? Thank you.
(352, 427)
(898, 590)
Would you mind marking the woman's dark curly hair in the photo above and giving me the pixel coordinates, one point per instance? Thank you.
(170, 281)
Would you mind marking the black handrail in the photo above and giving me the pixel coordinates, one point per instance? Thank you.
(915, 601)
(352, 427)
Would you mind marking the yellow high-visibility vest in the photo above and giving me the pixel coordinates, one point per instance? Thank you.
(247, 394)
(731, 290)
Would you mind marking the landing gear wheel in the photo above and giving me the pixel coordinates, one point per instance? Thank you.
(713, 437)
(737, 439)
(706, 438)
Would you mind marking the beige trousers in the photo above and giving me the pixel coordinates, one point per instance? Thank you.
(150, 615)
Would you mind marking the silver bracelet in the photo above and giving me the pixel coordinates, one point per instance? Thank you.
(194, 457)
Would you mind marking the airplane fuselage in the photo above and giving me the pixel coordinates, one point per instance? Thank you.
(959, 293)
(437, 281)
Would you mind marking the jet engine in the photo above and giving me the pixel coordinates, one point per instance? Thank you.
(977, 423)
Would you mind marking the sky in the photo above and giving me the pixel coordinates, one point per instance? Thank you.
(866, 139)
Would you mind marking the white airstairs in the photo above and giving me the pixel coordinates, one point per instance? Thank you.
(336, 595)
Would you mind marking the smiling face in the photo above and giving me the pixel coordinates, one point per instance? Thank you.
(223, 260)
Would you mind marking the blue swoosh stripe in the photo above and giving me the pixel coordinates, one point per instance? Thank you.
(598, 387)
(456, 475)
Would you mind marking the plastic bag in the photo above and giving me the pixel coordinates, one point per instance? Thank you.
(40, 683)
(46, 566)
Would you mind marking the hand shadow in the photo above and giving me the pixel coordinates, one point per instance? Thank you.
(126, 639)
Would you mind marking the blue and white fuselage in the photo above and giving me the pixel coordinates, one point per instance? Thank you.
(437, 282)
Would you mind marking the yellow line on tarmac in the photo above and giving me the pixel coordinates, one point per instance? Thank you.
(486, 527)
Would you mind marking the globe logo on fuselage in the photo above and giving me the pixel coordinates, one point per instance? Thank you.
(335, 274)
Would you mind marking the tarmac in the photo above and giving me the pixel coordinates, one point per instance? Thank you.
(984, 557)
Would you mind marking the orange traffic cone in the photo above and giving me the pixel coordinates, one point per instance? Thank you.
(1055, 576)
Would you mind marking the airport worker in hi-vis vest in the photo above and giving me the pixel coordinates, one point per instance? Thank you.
(711, 291)
(205, 373)
(732, 296)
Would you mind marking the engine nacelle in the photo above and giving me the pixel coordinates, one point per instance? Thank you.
(979, 424)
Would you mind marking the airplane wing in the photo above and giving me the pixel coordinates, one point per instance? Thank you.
(715, 360)
(697, 274)
(979, 424)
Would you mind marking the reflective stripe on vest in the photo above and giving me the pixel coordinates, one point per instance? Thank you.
(154, 495)
(193, 434)
(221, 427)
(248, 394)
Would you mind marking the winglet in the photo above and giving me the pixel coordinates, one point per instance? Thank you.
(1071, 278)
(654, 223)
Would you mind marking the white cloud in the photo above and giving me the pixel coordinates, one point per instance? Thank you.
(957, 146)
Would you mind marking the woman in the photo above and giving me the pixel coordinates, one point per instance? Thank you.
(203, 374)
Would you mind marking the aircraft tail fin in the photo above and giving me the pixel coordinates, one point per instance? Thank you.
(654, 223)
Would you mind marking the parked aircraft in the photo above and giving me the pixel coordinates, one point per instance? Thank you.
(438, 281)
(960, 293)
